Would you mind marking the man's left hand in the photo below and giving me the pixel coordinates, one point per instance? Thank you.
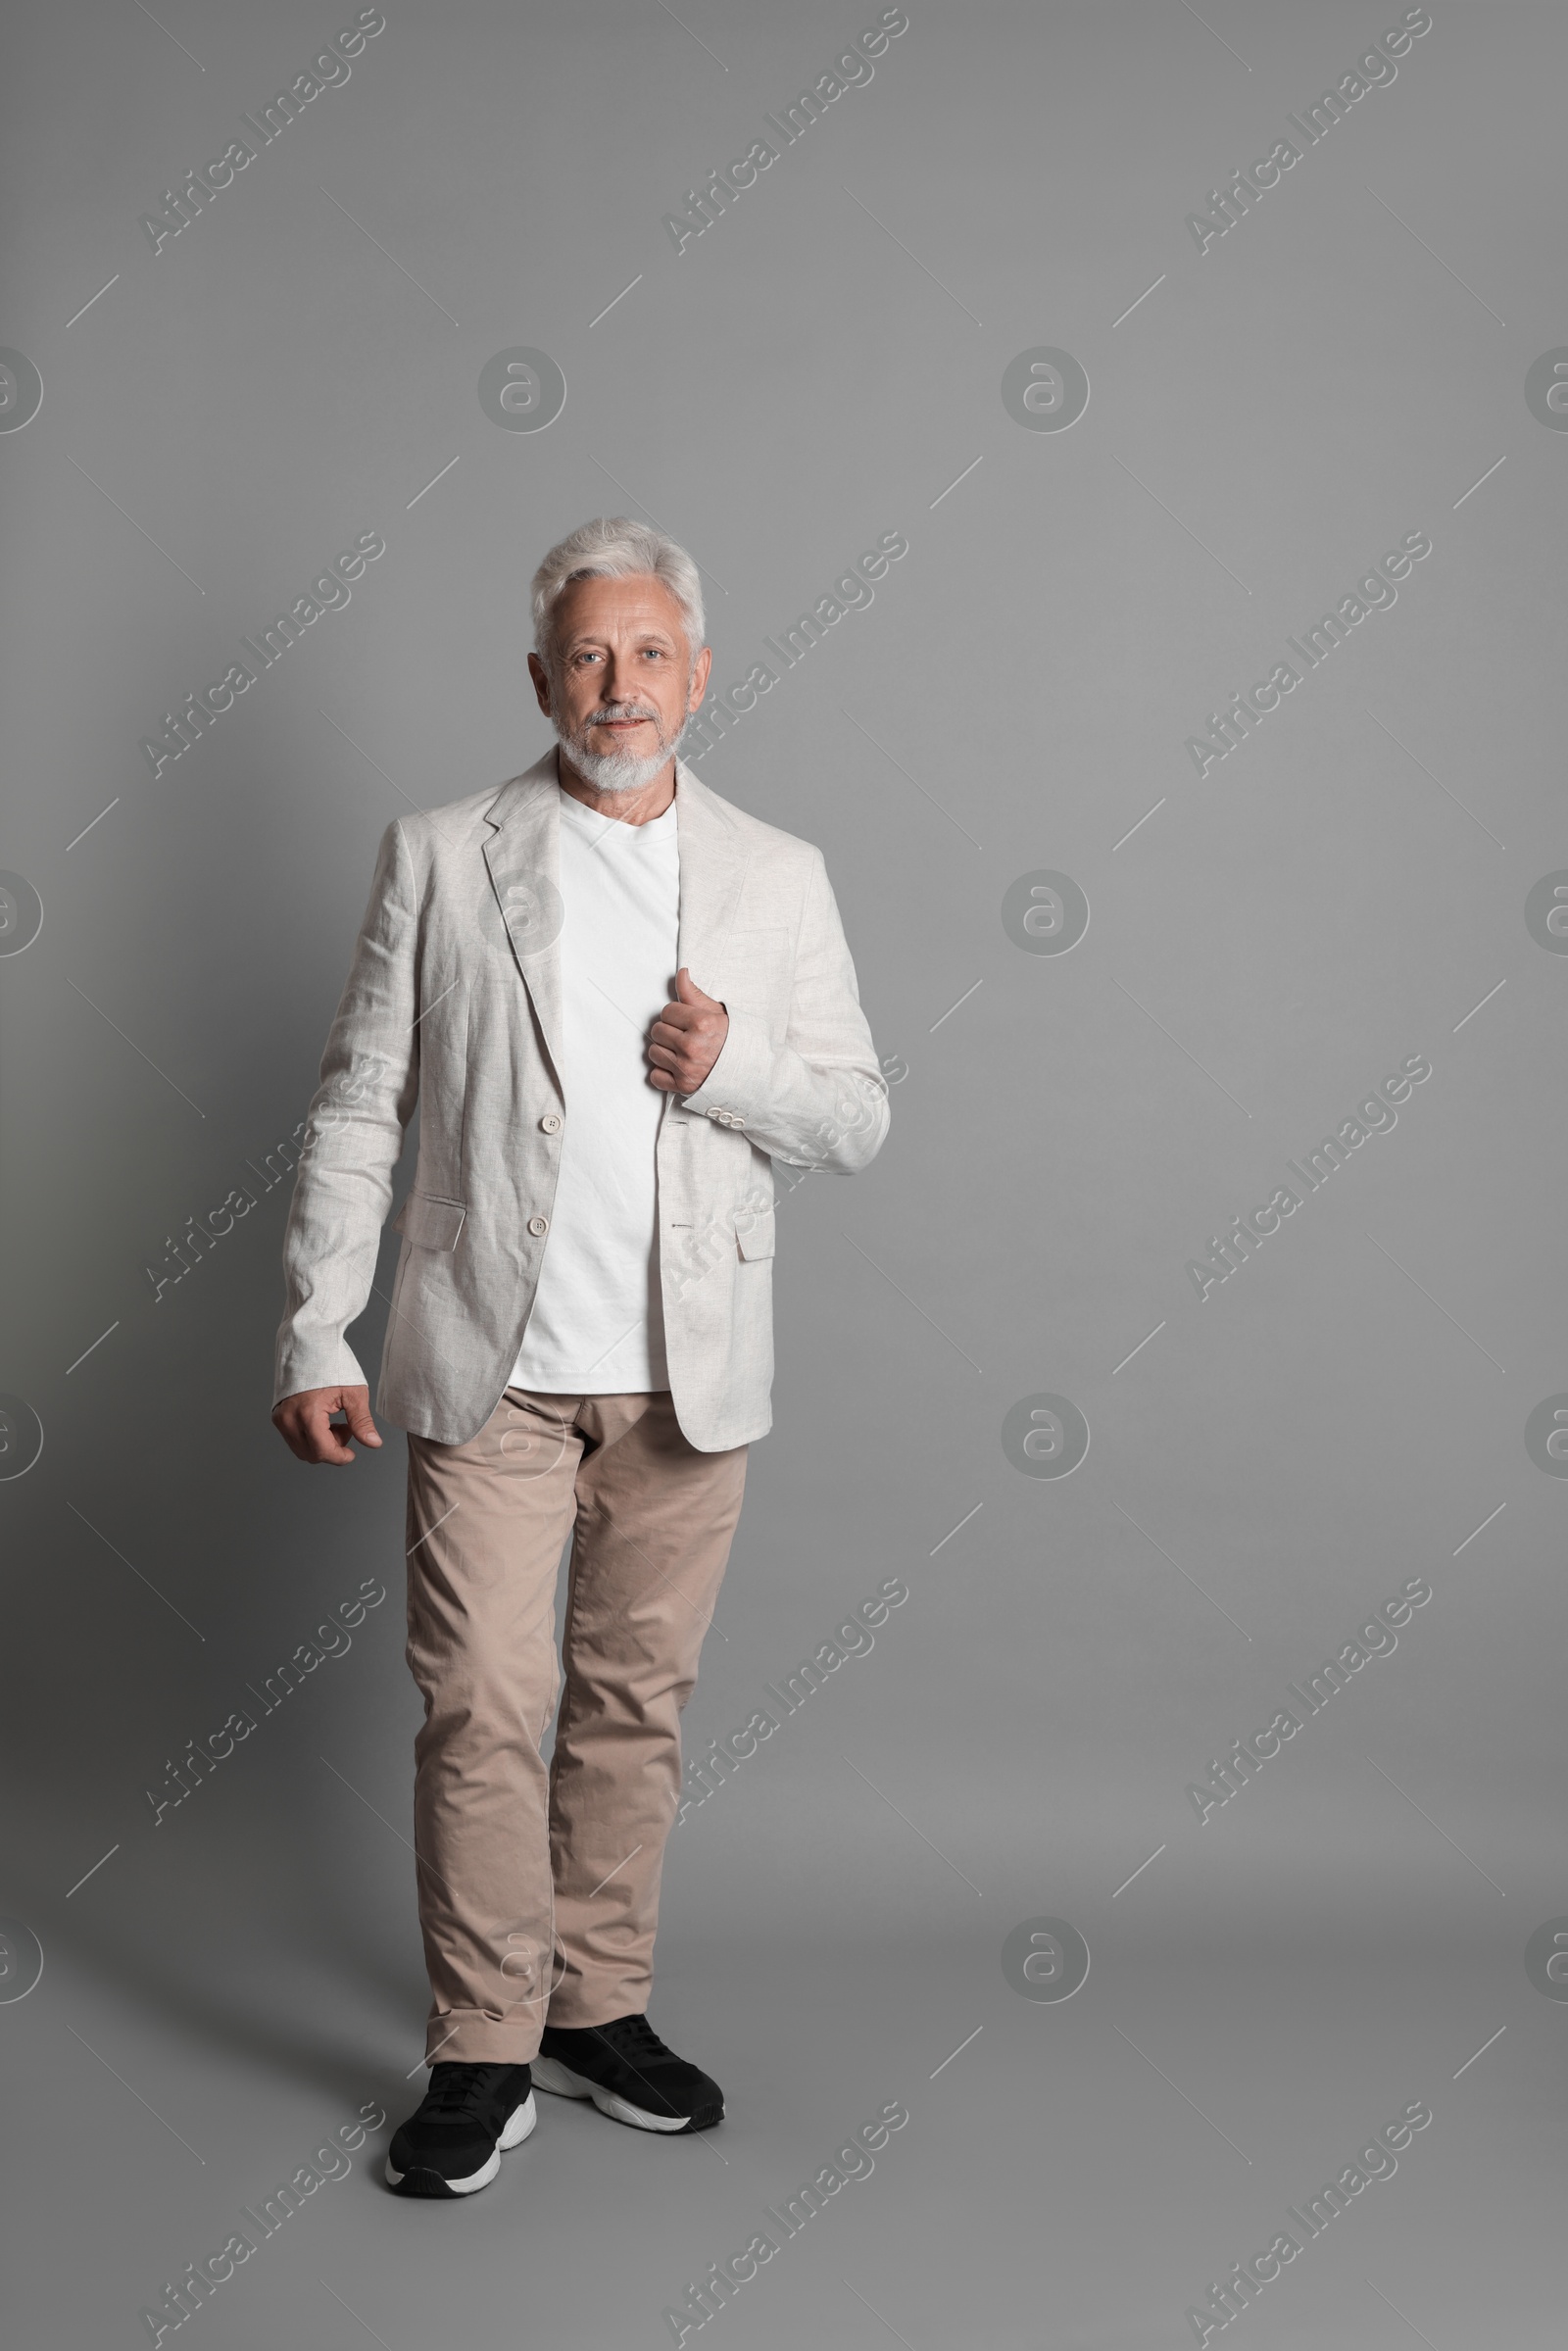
(687, 1038)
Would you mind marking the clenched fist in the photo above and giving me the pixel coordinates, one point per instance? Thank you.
(687, 1038)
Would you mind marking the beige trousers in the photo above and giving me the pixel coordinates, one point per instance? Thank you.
(539, 1887)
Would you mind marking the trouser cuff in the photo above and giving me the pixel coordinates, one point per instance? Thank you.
(473, 2036)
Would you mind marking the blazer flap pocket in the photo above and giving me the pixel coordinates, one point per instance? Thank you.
(429, 1222)
(753, 1230)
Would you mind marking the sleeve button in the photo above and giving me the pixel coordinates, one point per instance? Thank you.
(538, 1225)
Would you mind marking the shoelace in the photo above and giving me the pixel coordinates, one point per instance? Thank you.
(455, 2089)
(634, 2038)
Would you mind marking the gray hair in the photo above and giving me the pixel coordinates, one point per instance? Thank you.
(611, 547)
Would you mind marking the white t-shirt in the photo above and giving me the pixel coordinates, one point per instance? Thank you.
(597, 1325)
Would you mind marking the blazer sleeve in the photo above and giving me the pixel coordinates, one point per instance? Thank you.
(369, 1082)
(818, 1098)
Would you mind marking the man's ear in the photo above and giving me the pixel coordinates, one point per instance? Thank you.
(699, 683)
(540, 682)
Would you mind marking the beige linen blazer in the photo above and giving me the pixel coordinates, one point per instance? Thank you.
(454, 1001)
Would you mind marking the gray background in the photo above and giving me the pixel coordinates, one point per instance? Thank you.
(226, 1989)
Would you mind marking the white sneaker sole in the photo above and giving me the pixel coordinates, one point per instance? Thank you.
(550, 2073)
(519, 2126)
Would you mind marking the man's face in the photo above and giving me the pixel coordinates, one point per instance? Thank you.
(621, 679)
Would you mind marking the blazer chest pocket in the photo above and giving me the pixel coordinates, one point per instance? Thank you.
(430, 1223)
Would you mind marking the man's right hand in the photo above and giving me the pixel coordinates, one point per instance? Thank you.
(305, 1422)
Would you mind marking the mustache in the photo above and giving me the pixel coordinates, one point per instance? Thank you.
(621, 710)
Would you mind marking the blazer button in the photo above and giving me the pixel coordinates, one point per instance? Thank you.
(538, 1225)
(550, 1124)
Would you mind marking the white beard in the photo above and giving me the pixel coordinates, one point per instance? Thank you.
(620, 770)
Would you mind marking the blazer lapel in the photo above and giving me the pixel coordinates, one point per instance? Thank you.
(523, 857)
(713, 867)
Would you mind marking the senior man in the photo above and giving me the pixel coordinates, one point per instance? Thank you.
(581, 1335)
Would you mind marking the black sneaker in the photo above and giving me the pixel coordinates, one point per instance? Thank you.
(630, 2075)
(452, 2143)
